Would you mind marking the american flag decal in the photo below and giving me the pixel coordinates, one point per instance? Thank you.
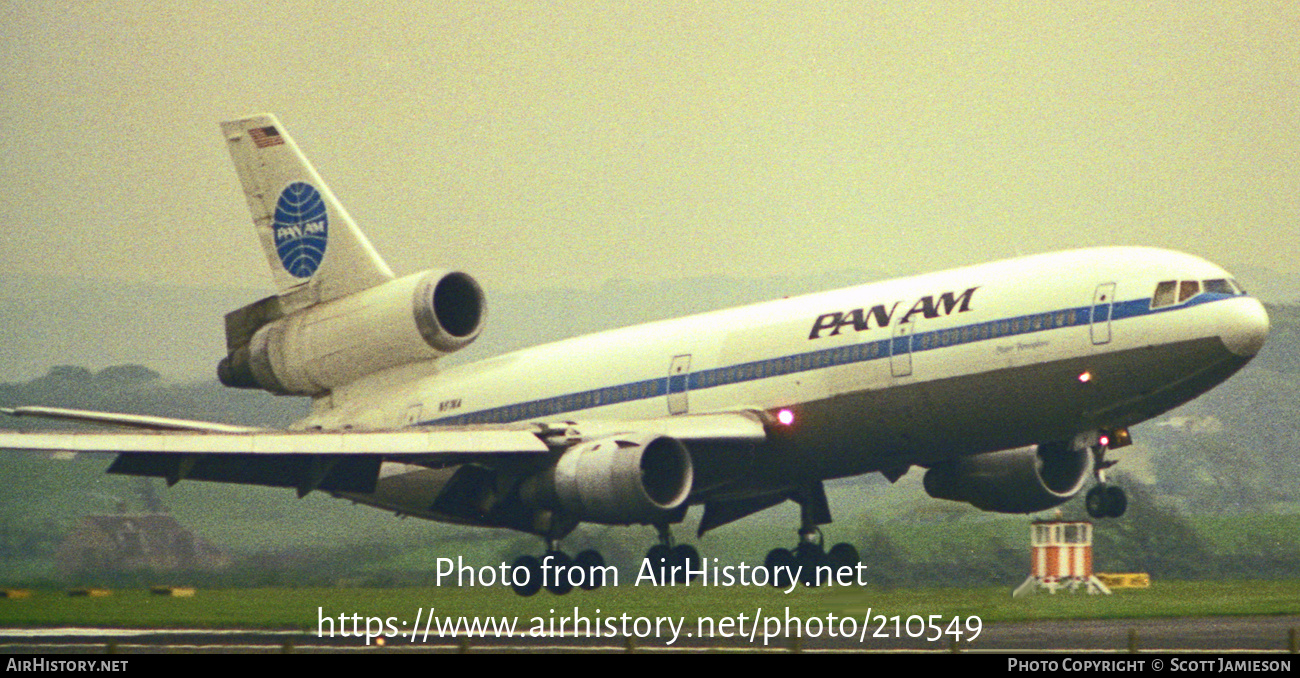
(266, 136)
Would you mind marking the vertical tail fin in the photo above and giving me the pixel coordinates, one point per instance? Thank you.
(315, 250)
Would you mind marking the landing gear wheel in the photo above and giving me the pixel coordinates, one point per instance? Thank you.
(843, 554)
(660, 557)
(1117, 500)
(1106, 501)
(1095, 502)
(533, 567)
(591, 563)
(558, 582)
(686, 557)
(779, 563)
(808, 557)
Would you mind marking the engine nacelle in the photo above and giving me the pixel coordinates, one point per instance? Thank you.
(1023, 480)
(308, 352)
(622, 480)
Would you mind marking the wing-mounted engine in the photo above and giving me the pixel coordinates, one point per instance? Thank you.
(315, 349)
(1022, 480)
(620, 480)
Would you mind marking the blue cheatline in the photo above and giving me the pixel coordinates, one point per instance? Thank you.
(880, 349)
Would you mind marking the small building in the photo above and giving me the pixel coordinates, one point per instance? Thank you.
(1061, 558)
(125, 542)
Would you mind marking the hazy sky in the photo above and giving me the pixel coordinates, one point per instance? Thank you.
(566, 143)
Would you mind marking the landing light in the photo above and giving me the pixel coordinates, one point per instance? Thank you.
(1085, 377)
(786, 417)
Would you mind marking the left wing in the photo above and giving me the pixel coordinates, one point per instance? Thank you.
(348, 461)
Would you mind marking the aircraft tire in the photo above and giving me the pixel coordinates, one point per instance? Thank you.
(688, 558)
(1095, 502)
(1116, 501)
(1106, 501)
(533, 567)
(808, 557)
(843, 554)
(777, 559)
(558, 575)
(590, 561)
(661, 558)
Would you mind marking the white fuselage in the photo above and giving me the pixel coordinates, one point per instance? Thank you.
(883, 375)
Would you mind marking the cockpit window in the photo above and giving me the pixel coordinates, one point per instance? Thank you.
(1218, 286)
(1164, 294)
(1170, 292)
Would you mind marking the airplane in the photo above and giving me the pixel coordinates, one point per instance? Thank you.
(1007, 382)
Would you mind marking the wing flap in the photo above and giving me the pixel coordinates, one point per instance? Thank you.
(333, 474)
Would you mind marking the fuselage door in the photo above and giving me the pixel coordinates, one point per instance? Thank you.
(900, 349)
(1103, 303)
(679, 375)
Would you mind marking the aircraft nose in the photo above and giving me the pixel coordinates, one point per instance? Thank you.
(1246, 327)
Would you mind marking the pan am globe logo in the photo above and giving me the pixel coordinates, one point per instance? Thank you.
(301, 229)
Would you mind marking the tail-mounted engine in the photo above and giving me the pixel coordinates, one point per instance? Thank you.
(622, 480)
(315, 349)
(1023, 480)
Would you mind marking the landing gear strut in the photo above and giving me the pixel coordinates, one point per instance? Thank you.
(810, 553)
(675, 560)
(1104, 500)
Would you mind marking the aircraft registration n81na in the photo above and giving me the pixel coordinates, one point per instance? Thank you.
(1007, 382)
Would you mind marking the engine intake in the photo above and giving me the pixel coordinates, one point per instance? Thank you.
(308, 352)
(1022, 480)
(623, 480)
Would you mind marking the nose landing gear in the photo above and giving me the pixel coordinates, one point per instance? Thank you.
(1104, 500)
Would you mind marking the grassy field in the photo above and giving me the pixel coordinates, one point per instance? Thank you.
(297, 608)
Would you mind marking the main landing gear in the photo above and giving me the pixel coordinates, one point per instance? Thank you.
(557, 572)
(681, 563)
(1104, 500)
(810, 554)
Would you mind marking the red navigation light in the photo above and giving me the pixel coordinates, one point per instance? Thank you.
(786, 417)
(1085, 377)
(1104, 440)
